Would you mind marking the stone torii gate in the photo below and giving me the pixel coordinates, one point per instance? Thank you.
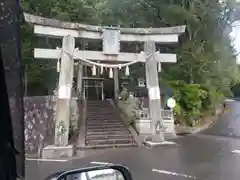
(111, 46)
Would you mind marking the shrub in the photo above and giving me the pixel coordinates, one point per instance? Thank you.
(189, 100)
(212, 99)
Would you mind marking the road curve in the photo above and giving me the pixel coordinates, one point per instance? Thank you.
(229, 124)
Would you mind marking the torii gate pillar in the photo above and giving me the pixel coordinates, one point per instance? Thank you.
(63, 112)
(153, 93)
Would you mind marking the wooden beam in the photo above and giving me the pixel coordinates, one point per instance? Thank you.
(38, 20)
(99, 56)
(60, 32)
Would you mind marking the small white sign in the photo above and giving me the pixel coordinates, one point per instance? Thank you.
(64, 92)
(154, 93)
(171, 103)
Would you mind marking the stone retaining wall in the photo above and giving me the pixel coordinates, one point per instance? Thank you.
(39, 122)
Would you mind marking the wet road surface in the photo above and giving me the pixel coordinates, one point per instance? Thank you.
(229, 124)
(206, 156)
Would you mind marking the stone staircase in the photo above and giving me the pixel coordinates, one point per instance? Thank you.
(105, 128)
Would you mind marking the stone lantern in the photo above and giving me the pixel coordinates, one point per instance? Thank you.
(141, 82)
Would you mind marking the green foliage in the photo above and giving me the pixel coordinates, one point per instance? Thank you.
(211, 99)
(193, 100)
(189, 98)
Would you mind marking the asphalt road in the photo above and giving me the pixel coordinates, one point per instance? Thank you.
(210, 155)
(229, 124)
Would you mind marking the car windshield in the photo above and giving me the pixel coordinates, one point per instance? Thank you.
(153, 85)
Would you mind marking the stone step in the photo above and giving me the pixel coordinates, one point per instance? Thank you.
(99, 105)
(106, 119)
(108, 141)
(99, 133)
(100, 111)
(102, 117)
(103, 123)
(89, 108)
(105, 146)
(92, 109)
(105, 129)
(109, 137)
(97, 113)
(98, 102)
(94, 123)
(90, 124)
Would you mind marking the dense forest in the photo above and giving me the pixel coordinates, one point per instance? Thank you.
(206, 69)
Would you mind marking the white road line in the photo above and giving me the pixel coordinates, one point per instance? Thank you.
(100, 163)
(236, 151)
(173, 173)
(47, 160)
